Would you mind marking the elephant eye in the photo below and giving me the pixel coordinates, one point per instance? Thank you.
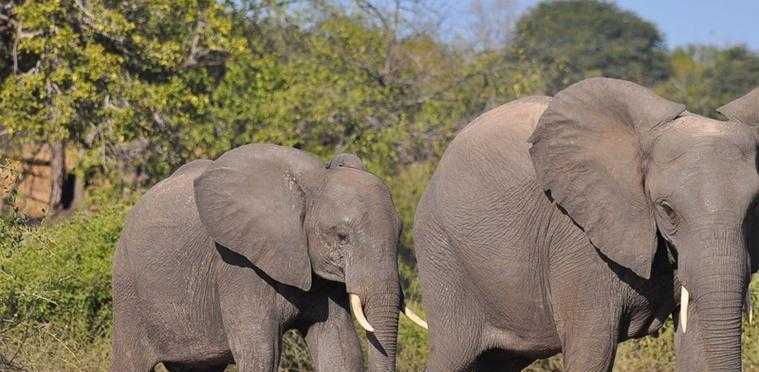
(670, 215)
(342, 237)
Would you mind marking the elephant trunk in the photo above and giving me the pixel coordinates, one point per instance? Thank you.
(382, 312)
(717, 282)
(375, 296)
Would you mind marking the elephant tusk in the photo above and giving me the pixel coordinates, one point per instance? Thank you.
(358, 312)
(684, 298)
(414, 318)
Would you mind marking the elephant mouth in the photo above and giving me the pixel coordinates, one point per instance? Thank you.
(357, 310)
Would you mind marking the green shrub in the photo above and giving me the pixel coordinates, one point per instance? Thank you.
(407, 188)
(55, 291)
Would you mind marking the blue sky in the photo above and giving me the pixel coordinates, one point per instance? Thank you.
(715, 22)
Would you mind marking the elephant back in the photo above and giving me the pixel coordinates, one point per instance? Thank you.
(168, 205)
(164, 245)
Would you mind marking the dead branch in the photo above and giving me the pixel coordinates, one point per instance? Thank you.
(197, 56)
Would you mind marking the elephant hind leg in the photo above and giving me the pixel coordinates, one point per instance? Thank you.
(131, 350)
(130, 355)
(455, 342)
(456, 326)
(454, 318)
(132, 365)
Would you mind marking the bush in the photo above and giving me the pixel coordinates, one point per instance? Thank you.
(55, 290)
(407, 188)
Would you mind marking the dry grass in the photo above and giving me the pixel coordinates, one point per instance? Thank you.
(9, 173)
(48, 348)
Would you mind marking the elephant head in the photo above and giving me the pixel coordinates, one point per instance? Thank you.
(293, 217)
(631, 168)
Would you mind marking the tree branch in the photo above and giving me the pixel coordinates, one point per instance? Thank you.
(14, 48)
(198, 57)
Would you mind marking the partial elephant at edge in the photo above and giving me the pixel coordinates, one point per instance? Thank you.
(571, 223)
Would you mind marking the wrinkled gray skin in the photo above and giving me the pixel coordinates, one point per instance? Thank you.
(216, 262)
(569, 224)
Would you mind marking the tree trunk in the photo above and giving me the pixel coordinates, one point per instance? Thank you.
(57, 176)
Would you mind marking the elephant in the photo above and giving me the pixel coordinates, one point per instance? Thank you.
(572, 223)
(221, 258)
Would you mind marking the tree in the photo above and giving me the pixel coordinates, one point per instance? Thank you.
(110, 79)
(705, 78)
(366, 79)
(572, 40)
(492, 24)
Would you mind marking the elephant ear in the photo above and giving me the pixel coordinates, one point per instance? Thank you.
(251, 204)
(346, 160)
(746, 110)
(743, 110)
(588, 152)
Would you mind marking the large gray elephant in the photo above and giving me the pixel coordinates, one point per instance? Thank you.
(221, 258)
(624, 209)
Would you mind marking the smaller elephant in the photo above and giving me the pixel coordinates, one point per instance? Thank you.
(216, 262)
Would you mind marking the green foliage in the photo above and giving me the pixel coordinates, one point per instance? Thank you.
(66, 273)
(113, 78)
(295, 355)
(9, 174)
(705, 78)
(575, 39)
(55, 291)
(145, 88)
(407, 188)
(11, 232)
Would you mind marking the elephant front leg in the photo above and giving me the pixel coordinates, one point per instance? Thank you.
(589, 334)
(333, 342)
(255, 346)
(588, 323)
(586, 352)
(251, 320)
(255, 343)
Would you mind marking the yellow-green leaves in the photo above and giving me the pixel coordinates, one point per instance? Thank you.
(102, 75)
